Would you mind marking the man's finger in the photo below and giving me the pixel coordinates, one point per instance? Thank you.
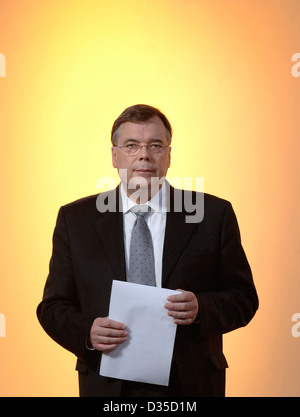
(105, 331)
(111, 324)
(106, 348)
(177, 297)
(179, 306)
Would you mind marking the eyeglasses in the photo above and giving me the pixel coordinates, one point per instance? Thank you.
(133, 149)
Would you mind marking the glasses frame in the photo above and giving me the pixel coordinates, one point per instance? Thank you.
(139, 147)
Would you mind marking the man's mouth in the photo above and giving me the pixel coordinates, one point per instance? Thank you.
(141, 170)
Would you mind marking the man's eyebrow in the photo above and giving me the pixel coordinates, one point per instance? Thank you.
(131, 140)
(157, 140)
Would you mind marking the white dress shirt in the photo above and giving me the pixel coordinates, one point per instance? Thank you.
(156, 221)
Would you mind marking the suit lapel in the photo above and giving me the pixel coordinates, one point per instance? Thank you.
(109, 228)
(177, 235)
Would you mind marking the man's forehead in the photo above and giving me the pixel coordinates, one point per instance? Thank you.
(141, 129)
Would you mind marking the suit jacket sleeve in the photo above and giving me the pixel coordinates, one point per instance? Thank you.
(234, 302)
(59, 312)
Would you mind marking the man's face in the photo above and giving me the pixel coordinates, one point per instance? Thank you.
(145, 165)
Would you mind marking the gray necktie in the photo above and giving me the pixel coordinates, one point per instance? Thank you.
(141, 256)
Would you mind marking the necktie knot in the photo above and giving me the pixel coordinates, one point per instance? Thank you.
(141, 210)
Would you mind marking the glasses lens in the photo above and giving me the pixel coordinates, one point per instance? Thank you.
(156, 149)
(135, 149)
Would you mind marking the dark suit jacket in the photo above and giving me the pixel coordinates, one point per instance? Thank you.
(206, 258)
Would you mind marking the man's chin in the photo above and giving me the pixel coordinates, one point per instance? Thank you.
(141, 179)
(139, 183)
(141, 188)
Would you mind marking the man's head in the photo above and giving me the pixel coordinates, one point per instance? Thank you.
(139, 113)
(141, 136)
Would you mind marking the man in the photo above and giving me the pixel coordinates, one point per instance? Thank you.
(204, 260)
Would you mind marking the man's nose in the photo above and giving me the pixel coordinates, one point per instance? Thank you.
(144, 152)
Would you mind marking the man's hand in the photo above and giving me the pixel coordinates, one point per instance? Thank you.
(106, 334)
(183, 307)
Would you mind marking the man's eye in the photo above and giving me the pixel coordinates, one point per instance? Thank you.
(155, 147)
(131, 146)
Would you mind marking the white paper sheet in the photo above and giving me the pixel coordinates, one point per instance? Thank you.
(146, 355)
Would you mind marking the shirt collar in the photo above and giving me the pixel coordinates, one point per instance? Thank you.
(157, 204)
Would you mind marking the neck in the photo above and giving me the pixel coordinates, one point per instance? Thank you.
(141, 194)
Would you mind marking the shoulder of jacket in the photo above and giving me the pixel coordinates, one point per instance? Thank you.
(213, 199)
(82, 202)
(208, 198)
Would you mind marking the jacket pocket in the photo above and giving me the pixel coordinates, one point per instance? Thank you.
(218, 359)
(81, 366)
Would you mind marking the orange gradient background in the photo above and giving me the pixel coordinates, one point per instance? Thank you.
(221, 72)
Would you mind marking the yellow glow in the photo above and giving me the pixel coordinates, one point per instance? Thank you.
(221, 72)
